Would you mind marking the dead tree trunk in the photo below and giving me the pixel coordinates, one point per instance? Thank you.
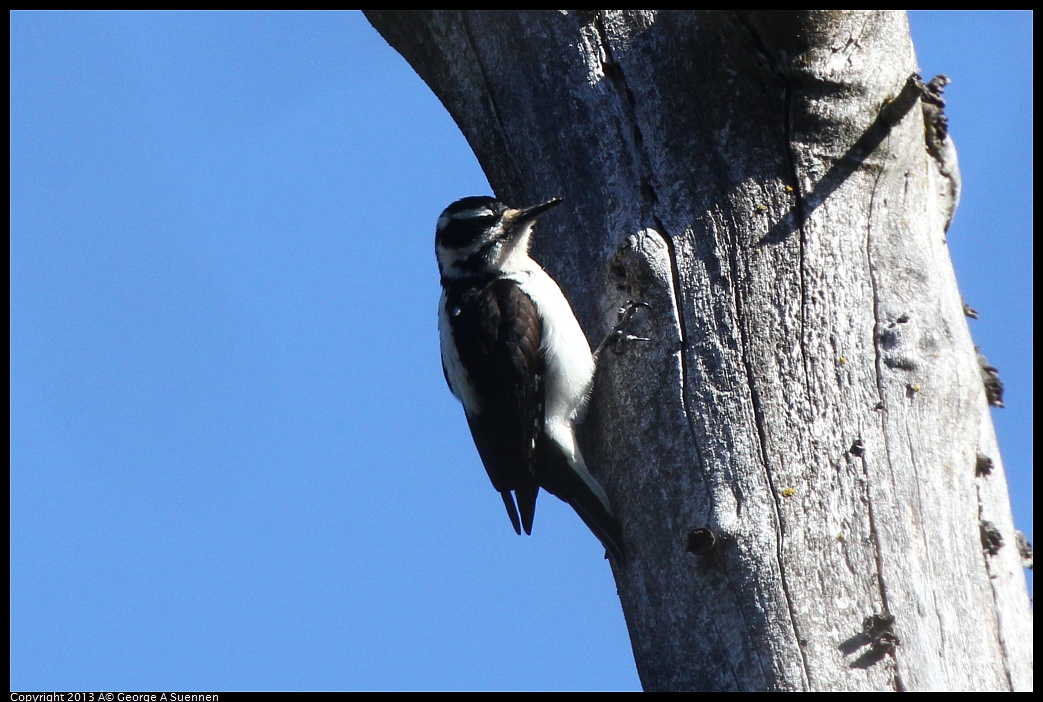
(799, 456)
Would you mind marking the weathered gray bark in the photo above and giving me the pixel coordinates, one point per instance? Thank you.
(796, 450)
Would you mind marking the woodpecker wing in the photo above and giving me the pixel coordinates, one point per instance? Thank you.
(497, 334)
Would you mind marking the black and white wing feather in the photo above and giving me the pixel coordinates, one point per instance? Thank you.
(497, 334)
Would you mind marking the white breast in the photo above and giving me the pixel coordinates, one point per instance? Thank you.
(569, 369)
(569, 363)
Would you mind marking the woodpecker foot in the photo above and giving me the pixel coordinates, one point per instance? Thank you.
(618, 338)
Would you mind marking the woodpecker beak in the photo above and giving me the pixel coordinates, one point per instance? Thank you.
(531, 213)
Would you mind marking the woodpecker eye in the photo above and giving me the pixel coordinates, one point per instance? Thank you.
(467, 222)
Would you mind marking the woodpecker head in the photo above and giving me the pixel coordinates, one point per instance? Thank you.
(481, 235)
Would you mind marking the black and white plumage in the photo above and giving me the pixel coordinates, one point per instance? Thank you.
(515, 356)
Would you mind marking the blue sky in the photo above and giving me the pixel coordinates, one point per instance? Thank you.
(234, 460)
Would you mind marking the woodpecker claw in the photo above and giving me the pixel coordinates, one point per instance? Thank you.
(618, 337)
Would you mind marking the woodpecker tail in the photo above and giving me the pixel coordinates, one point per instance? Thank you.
(527, 504)
(526, 497)
(508, 502)
(572, 483)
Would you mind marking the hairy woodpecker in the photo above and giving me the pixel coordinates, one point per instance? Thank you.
(517, 359)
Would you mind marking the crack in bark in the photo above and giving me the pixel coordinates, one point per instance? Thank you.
(754, 396)
(488, 92)
(762, 441)
(881, 586)
(675, 274)
(799, 206)
(614, 72)
(913, 464)
(801, 212)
